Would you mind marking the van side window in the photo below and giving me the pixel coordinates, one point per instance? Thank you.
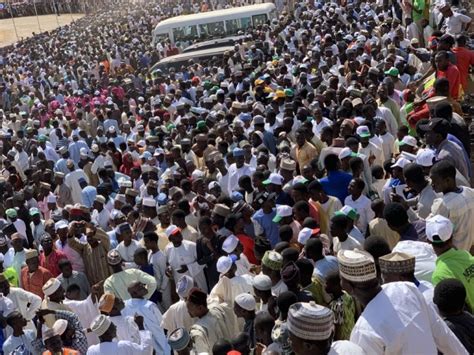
(259, 19)
(236, 25)
(185, 33)
(211, 30)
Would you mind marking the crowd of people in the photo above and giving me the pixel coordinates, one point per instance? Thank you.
(309, 193)
(20, 8)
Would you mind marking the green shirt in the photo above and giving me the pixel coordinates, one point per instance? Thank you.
(316, 290)
(419, 6)
(11, 275)
(457, 264)
(344, 316)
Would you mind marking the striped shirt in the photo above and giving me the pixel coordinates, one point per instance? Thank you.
(95, 259)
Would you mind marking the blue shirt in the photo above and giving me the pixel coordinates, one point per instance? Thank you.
(336, 184)
(323, 267)
(110, 122)
(61, 166)
(89, 193)
(270, 228)
(75, 150)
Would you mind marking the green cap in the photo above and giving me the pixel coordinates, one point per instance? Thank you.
(207, 85)
(34, 211)
(11, 213)
(42, 138)
(347, 211)
(273, 260)
(289, 93)
(282, 211)
(201, 125)
(392, 72)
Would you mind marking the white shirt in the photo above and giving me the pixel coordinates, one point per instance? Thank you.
(224, 182)
(177, 316)
(124, 347)
(151, 321)
(349, 244)
(185, 254)
(279, 288)
(424, 201)
(22, 159)
(362, 206)
(227, 289)
(98, 163)
(243, 265)
(158, 260)
(454, 24)
(235, 174)
(19, 261)
(389, 118)
(101, 218)
(459, 208)
(49, 152)
(13, 342)
(372, 149)
(72, 181)
(408, 326)
(86, 311)
(25, 302)
(318, 127)
(8, 258)
(387, 144)
(20, 227)
(126, 252)
(345, 347)
(425, 257)
(412, 31)
(127, 329)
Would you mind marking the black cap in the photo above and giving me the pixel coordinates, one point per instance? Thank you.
(264, 196)
(437, 125)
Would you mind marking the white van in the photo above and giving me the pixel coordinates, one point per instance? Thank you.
(187, 29)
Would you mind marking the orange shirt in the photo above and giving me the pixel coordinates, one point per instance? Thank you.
(464, 59)
(34, 282)
(454, 78)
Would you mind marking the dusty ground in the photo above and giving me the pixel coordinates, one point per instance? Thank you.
(27, 25)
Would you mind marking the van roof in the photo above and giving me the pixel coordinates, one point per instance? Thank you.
(191, 55)
(212, 16)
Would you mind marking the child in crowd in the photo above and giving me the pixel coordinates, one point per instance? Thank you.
(343, 306)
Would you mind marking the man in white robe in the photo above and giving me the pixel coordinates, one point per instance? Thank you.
(151, 316)
(398, 266)
(25, 302)
(181, 258)
(238, 169)
(230, 285)
(408, 326)
(76, 180)
(232, 245)
(107, 332)
(158, 259)
(177, 315)
(86, 310)
(212, 323)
